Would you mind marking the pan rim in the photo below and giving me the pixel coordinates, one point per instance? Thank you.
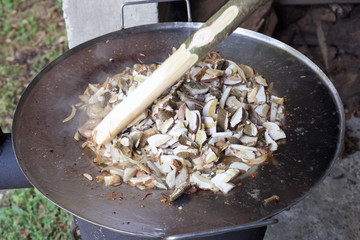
(164, 26)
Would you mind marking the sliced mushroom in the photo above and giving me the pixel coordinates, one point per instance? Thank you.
(143, 168)
(194, 119)
(146, 134)
(185, 151)
(167, 124)
(260, 159)
(248, 141)
(112, 180)
(209, 109)
(154, 168)
(270, 142)
(164, 114)
(280, 114)
(125, 141)
(244, 152)
(140, 180)
(240, 166)
(188, 141)
(170, 178)
(274, 131)
(159, 183)
(160, 104)
(195, 88)
(262, 110)
(88, 176)
(233, 80)
(116, 171)
(210, 156)
(226, 134)
(181, 112)
(232, 103)
(215, 72)
(223, 119)
(236, 117)
(260, 97)
(273, 111)
(135, 137)
(200, 73)
(158, 140)
(203, 182)
(214, 123)
(129, 173)
(260, 80)
(182, 176)
(248, 71)
(276, 99)
(167, 163)
(251, 97)
(200, 137)
(224, 96)
(210, 125)
(250, 129)
(178, 129)
(221, 180)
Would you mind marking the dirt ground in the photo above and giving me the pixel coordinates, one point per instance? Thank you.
(330, 36)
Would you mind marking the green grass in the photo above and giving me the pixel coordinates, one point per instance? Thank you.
(26, 214)
(32, 34)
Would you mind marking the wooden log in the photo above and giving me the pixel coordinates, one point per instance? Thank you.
(213, 32)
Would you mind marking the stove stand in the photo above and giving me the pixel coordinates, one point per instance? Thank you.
(11, 176)
(90, 231)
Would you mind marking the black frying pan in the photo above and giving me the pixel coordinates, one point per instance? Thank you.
(54, 163)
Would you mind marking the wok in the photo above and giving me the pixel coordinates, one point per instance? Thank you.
(54, 162)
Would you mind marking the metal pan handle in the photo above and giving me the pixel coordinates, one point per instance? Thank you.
(152, 1)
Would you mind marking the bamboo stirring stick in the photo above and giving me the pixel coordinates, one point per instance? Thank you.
(213, 32)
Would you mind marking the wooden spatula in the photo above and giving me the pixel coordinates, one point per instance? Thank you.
(213, 32)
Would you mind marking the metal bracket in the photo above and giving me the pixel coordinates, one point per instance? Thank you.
(2, 138)
(152, 1)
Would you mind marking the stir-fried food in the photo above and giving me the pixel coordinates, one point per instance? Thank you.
(213, 125)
